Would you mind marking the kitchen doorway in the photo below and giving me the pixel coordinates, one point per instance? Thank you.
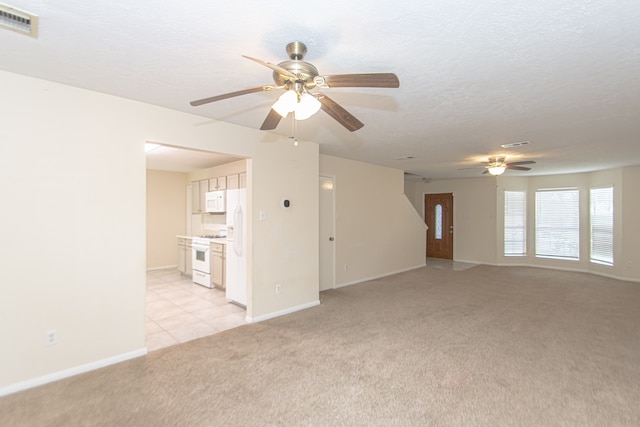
(177, 309)
(438, 214)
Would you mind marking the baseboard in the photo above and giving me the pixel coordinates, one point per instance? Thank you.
(341, 285)
(49, 378)
(166, 267)
(471, 262)
(572, 270)
(612, 276)
(282, 312)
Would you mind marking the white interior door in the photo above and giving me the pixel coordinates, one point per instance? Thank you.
(327, 233)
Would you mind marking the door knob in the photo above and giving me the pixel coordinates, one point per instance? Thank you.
(331, 239)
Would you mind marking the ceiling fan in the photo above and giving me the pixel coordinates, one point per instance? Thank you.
(497, 165)
(298, 78)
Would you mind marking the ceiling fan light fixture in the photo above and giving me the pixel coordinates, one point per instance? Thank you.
(286, 103)
(307, 106)
(497, 170)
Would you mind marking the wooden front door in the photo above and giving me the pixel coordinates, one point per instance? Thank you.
(438, 214)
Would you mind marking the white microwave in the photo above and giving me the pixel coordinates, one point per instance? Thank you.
(215, 201)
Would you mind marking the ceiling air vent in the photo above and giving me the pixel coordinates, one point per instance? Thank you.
(515, 144)
(18, 20)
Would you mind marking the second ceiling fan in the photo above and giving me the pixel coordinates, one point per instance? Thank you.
(298, 78)
(497, 165)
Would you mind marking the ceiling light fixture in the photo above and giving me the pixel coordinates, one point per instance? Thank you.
(497, 169)
(306, 107)
(286, 103)
(297, 101)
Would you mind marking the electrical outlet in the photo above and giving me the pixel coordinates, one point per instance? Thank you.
(278, 288)
(51, 337)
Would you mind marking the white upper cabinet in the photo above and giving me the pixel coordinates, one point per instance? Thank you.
(198, 191)
(219, 183)
(232, 182)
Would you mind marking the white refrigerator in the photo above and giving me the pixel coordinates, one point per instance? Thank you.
(236, 251)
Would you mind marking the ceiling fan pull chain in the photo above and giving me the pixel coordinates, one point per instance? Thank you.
(294, 127)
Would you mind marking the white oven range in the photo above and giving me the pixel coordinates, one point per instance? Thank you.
(201, 261)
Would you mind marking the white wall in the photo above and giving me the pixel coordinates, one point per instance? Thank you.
(73, 187)
(630, 230)
(479, 222)
(377, 230)
(474, 218)
(583, 182)
(73, 252)
(166, 216)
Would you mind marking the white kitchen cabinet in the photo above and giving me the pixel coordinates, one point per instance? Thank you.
(222, 183)
(242, 177)
(233, 181)
(204, 189)
(184, 256)
(219, 183)
(198, 191)
(195, 197)
(218, 265)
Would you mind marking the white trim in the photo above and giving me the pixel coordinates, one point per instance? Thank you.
(333, 226)
(166, 267)
(572, 270)
(469, 262)
(282, 312)
(341, 285)
(611, 276)
(81, 369)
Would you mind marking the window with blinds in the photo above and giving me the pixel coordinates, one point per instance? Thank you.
(601, 210)
(515, 223)
(558, 224)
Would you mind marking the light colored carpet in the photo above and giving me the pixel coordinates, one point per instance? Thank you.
(484, 346)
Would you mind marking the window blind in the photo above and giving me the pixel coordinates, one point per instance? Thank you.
(558, 223)
(601, 209)
(515, 223)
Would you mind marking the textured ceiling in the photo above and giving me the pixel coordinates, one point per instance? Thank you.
(473, 75)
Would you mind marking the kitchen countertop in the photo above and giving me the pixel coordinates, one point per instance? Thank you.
(222, 240)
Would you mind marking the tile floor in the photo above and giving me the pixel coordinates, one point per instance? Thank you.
(178, 310)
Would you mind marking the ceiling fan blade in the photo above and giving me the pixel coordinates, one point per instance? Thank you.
(526, 162)
(485, 172)
(274, 67)
(231, 95)
(272, 120)
(341, 115)
(358, 80)
(518, 168)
